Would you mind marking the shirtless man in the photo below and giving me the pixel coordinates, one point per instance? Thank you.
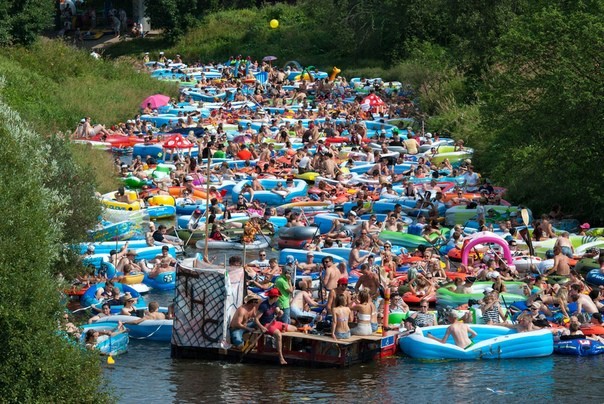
(368, 281)
(160, 268)
(584, 302)
(561, 264)
(303, 298)
(128, 259)
(243, 320)
(565, 245)
(164, 257)
(309, 266)
(331, 275)
(459, 331)
(152, 314)
(546, 227)
(354, 259)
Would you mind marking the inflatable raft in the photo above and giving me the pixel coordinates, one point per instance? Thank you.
(492, 342)
(580, 346)
(446, 297)
(258, 244)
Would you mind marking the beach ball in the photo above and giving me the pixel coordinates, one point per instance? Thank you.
(274, 24)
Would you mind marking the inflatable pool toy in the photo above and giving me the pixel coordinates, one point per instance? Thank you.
(578, 346)
(492, 342)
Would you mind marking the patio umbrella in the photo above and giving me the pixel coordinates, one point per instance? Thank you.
(156, 101)
(269, 59)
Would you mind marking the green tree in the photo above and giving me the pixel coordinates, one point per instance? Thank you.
(542, 109)
(22, 21)
(36, 362)
(176, 17)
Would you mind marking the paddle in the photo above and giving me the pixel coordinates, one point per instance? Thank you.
(507, 308)
(252, 342)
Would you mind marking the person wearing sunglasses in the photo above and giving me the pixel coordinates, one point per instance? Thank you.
(423, 318)
(262, 262)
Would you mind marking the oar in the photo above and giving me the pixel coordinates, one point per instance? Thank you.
(508, 312)
(251, 344)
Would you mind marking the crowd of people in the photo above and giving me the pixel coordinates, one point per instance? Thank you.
(292, 303)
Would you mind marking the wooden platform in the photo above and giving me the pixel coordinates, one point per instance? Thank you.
(304, 350)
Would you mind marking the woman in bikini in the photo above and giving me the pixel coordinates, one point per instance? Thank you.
(363, 310)
(341, 316)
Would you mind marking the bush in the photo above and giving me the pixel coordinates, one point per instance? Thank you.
(53, 86)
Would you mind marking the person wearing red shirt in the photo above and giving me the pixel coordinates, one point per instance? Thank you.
(244, 153)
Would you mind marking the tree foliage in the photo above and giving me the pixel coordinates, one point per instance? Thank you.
(543, 108)
(176, 17)
(22, 21)
(36, 362)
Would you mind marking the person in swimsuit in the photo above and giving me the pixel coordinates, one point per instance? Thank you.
(341, 316)
(364, 312)
(459, 331)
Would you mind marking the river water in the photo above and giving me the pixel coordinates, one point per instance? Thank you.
(147, 373)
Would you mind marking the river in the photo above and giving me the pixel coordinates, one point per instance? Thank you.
(147, 373)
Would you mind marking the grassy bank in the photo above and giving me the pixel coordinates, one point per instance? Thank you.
(53, 86)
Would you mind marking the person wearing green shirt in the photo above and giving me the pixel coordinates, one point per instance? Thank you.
(285, 286)
(219, 153)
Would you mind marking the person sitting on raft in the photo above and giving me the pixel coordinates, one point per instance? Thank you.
(244, 320)
(459, 331)
(267, 315)
(280, 190)
(342, 315)
(303, 301)
(91, 340)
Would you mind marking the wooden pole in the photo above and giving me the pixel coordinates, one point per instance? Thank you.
(205, 252)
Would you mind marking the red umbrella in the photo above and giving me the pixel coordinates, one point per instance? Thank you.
(177, 142)
(373, 101)
(156, 101)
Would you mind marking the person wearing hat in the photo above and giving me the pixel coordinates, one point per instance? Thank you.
(284, 283)
(244, 320)
(162, 57)
(266, 318)
(583, 229)
(128, 301)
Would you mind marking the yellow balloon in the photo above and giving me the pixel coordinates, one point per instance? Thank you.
(274, 24)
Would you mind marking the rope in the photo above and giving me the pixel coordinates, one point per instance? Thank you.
(150, 335)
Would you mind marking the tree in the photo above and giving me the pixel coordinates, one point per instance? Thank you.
(176, 17)
(22, 21)
(542, 109)
(36, 362)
